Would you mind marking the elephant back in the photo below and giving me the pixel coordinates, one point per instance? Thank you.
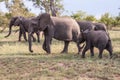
(67, 25)
(85, 25)
(100, 26)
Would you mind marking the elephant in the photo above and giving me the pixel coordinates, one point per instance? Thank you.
(99, 39)
(84, 25)
(88, 25)
(12, 21)
(23, 23)
(100, 26)
(61, 28)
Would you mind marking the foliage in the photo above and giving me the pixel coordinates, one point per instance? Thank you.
(90, 18)
(15, 8)
(50, 6)
(107, 20)
(80, 15)
(4, 20)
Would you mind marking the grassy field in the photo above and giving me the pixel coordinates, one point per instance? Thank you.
(17, 63)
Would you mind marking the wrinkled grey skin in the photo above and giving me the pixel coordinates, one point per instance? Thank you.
(64, 29)
(23, 23)
(100, 26)
(98, 39)
(12, 21)
(86, 25)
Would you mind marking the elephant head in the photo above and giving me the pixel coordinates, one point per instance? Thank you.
(18, 21)
(44, 21)
(12, 21)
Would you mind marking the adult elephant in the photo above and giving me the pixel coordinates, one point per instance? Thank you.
(84, 25)
(64, 29)
(23, 23)
(100, 26)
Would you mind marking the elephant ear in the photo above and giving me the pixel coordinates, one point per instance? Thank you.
(18, 21)
(86, 31)
(44, 21)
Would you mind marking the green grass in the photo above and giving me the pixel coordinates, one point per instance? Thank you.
(17, 63)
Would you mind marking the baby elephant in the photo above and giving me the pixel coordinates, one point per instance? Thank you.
(99, 39)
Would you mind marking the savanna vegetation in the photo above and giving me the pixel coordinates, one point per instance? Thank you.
(17, 63)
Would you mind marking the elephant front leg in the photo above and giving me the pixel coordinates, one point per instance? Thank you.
(30, 42)
(46, 44)
(20, 34)
(65, 50)
(84, 50)
(38, 36)
(24, 34)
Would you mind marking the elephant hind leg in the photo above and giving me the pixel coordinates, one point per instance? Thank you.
(38, 36)
(109, 49)
(92, 51)
(100, 53)
(34, 39)
(65, 50)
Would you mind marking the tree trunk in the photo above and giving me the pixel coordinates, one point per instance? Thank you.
(52, 8)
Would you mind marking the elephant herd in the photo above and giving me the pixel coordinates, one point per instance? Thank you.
(65, 29)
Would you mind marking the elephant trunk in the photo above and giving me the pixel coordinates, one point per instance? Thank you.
(10, 28)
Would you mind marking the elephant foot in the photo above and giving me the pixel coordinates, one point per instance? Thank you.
(26, 40)
(31, 51)
(48, 52)
(111, 57)
(100, 57)
(34, 40)
(92, 55)
(63, 52)
(38, 41)
(19, 40)
(83, 56)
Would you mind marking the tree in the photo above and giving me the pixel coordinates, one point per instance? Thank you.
(79, 15)
(15, 8)
(90, 18)
(107, 20)
(53, 7)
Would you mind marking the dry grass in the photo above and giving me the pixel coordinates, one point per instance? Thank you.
(17, 63)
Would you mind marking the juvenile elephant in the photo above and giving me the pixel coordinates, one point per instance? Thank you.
(64, 29)
(23, 23)
(87, 25)
(98, 39)
(12, 21)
